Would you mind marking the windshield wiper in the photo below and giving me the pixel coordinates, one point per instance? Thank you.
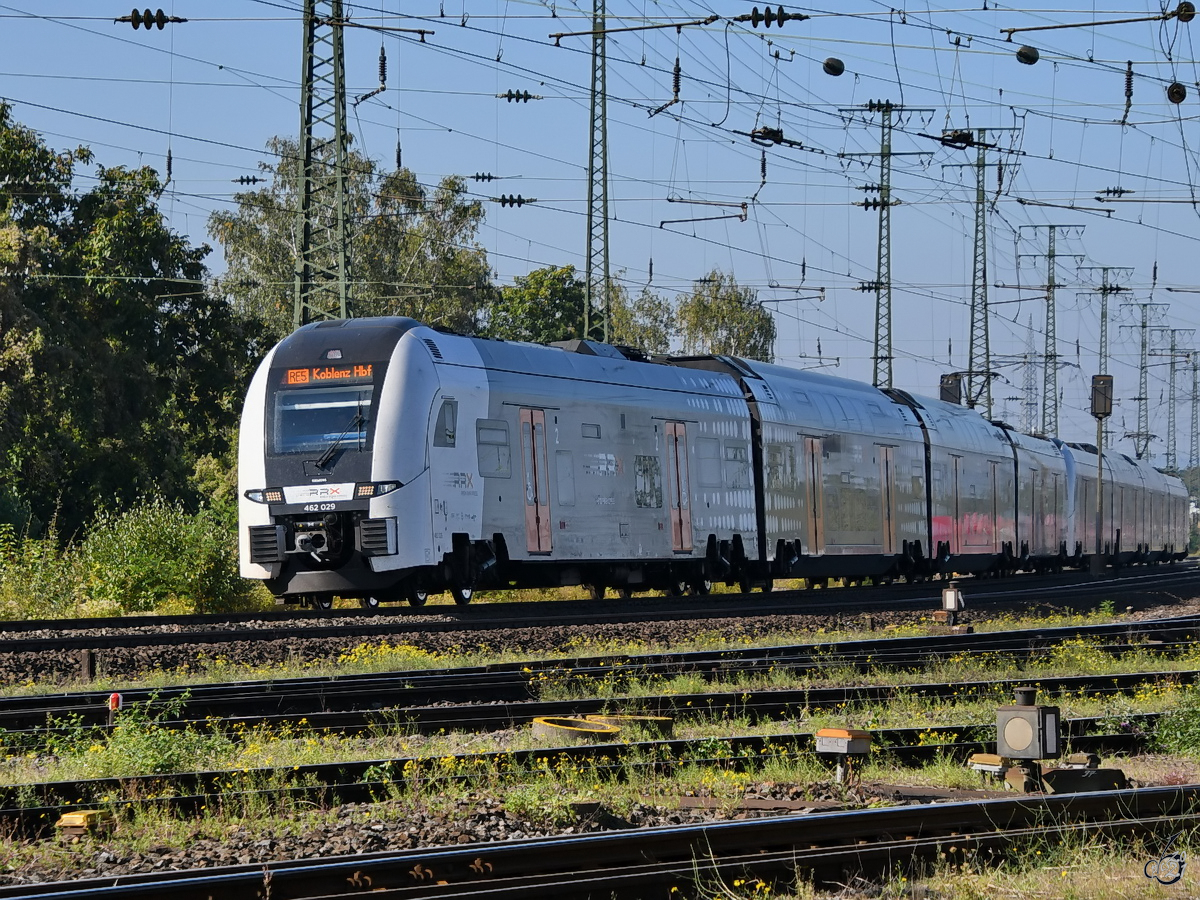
(327, 456)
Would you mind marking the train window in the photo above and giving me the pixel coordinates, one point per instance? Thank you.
(564, 465)
(737, 465)
(708, 462)
(647, 481)
(444, 430)
(314, 419)
(781, 467)
(591, 431)
(491, 440)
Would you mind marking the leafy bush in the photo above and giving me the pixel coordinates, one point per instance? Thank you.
(156, 556)
(153, 557)
(37, 579)
(1178, 731)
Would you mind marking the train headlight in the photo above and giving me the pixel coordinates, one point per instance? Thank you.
(375, 488)
(265, 495)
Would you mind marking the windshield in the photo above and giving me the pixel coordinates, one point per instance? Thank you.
(310, 420)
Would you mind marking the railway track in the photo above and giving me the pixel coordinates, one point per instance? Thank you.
(31, 809)
(1130, 587)
(496, 696)
(638, 863)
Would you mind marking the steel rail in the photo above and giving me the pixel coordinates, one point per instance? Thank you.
(510, 681)
(625, 863)
(613, 607)
(356, 623)
(423, 710)
(366, 780)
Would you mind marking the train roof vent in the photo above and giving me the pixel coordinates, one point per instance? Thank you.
(433, 348)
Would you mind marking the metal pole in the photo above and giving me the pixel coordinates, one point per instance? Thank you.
(596, 277)
(882, 375)
(1098, 558)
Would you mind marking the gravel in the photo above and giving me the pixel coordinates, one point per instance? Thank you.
(372, 828)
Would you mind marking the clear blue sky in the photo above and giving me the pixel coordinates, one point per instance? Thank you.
(217, 88)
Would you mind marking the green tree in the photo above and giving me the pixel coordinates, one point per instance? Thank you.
(118, 368)
(414, 249)
(721, 317)
(545, 305)
(646, 322)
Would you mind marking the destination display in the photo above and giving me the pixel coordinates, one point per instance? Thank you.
(349, 374)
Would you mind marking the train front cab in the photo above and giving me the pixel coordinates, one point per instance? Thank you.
(326, 494)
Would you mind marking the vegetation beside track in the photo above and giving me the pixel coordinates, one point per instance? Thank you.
(543, 798)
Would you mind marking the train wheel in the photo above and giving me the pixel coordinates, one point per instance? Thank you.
(323, 603)
(416, 596)
(745, 584)
(462, 595)
(676, 588)
(624, 592)
(701, 587)
(595, 591)
(768, 586)
(368, 602)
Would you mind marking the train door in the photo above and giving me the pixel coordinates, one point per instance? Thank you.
(1055, 523)
(887, 493)
(814, 526)
(679, 486)
(956, 529)
(1039, 515)
(995, 481)
(537, 473)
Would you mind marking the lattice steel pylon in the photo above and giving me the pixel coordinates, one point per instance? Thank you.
(882, 374)
(1029, 382)
(1050, 356)
(322, 272)
(1105, 289)
(1175, 353)
(1142, 437)
(979, 365)
(1194, 455)
(595, 292)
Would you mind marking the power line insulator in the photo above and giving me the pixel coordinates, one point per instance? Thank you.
(518, 200)
(1186, 11)
(768, 15)
(148, 19)
(1027, 55)
(1176, 92)
(248, 179)
(518, 96)
(483, 176)
(833, 66)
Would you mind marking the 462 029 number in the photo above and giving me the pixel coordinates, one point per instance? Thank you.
(319, 507)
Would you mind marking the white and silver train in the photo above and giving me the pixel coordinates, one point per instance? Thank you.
(383, 460)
